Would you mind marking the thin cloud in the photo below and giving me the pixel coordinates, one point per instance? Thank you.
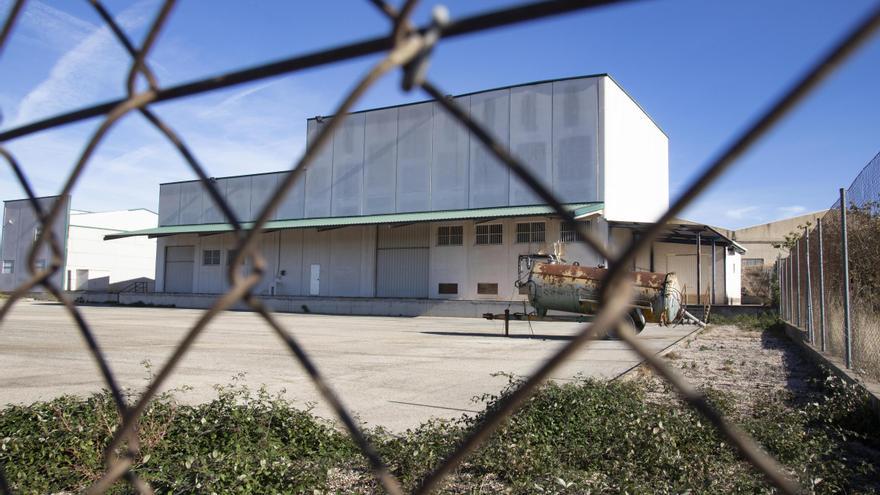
(791, 210)
(87, 71)
(742, 213)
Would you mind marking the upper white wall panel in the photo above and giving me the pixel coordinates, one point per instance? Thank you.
(490, 178)
(169, 204)
(292, 204)
(414, 143)
(191, 203)
(348, 166)
(319, 176)
(211, 213)
(575, 140)
(238, 195)
(450, 164)
(380, 162)
(531, 137)
(636, 160)
(262, 188)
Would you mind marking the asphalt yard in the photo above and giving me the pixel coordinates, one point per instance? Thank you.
(394, 372)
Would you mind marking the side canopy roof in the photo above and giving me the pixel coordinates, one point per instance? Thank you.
(577, 209)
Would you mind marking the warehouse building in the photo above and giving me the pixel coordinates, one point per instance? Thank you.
(89, 263)
(405, 206)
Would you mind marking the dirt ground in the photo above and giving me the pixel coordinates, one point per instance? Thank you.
(740, 362)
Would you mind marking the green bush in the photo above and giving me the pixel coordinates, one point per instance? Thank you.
(579, 437)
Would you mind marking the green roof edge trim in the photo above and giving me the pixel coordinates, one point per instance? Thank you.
(577, 209)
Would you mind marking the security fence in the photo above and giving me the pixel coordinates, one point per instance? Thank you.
(406, 48)
(829, 281)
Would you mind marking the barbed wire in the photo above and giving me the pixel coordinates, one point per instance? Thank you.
(407, 48)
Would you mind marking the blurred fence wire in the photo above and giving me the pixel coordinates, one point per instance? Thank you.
(829, 281)
(407, 49)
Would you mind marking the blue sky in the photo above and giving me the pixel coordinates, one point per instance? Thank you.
(701, 69)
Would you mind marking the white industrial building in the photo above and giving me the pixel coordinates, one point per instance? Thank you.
(89, 263)
(404, 210)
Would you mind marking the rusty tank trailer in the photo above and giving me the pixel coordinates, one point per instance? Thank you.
(552, 283)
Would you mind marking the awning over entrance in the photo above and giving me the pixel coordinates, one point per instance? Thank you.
(579, 210)
(681, 231)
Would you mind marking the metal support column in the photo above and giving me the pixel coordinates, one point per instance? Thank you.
(809, 306)
(712, 298)
(699, 272)
(847, 331)
(821, 285)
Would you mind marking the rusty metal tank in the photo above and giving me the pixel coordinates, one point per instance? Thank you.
(553, 284)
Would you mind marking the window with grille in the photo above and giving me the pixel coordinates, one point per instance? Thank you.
(211, 257)
(490, 234)
(451, 235)
(230, 256)
(567, 232)
(530, 232)
(485, 288)
(8, 266)
(753, 262)
(447, 288)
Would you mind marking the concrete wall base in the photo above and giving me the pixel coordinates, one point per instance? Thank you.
(834, 365)
(319, 305)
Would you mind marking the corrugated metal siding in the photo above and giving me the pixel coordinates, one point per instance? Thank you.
(402, 261)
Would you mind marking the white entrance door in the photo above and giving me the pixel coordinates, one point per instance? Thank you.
(315, 281)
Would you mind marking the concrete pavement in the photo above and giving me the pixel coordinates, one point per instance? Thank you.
(394, 372)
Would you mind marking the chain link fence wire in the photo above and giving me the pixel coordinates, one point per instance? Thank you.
(406, 50)
(830, 332)
(827, 276)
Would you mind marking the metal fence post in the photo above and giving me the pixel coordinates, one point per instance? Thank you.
(779, 287)
(847, 331)
(785, 305)
(821, 285)
(809, 287)
(797, 271)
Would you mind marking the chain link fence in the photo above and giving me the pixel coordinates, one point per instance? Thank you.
(406, 49)
(834, 293)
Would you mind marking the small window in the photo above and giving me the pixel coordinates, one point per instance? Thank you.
(530, 232)
(567, 233)
(230, 256)
(211, 257)
(487, 288)
(490, 234)
(40, 265)
(8, 266)
(451, 235)
(37, 232)
(753, 262)
(447, 288)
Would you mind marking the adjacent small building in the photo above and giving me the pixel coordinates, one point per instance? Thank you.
(404, 204)
(764, 242)
(89, 262)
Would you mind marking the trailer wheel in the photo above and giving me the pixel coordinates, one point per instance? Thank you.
(635, 320)
(638, 320)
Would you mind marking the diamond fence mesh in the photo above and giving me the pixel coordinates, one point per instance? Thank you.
(407, 49)
(853, 338)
